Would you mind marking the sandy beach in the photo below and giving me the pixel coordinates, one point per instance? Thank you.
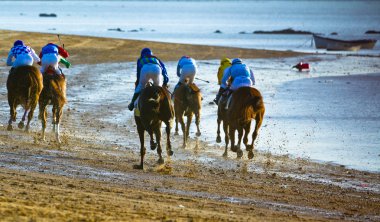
(90, 176)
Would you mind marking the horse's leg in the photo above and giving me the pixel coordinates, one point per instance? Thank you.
(168, 143)
(231, 132)
(188, 123)
(183, 131)
(58, 114)
(218, 138)
(12, 118)
(21, 123)
(226, 138)
(140, 130)
(197, 122)
(157, 132)
(247, 129)
(32, 107)
(153, 145)
(43, 116)
(54, 120)
(176, 127)
(259, 121)
(239, 152)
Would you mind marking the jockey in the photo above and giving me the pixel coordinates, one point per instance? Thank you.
(241, 75)
(51, 55)
(148, 67)
(186, 68)
(24, 55)
(224, 63)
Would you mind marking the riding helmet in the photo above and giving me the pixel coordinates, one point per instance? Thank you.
(236, 61)
(146, 52)
(18, 42)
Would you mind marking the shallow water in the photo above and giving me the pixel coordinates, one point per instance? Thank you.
(196, 21)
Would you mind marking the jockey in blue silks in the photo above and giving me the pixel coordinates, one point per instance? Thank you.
(24, 55)
(186, 69)
(148, 67)
(240, 74)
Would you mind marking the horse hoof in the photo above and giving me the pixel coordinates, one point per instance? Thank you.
(250, 154)
(218, 139)
(138, 167)
(225, 155)
(234, 149)
(198, 134)
(170, 152)
(153, 146)
(176, 133)
(239, 153)
(9, 128)
(160, 161)
(21, 125)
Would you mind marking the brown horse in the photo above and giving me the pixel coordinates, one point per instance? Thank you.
(222, 116)
(53, 93)
(154, 107)
(246, 104)
(187, 101)
(24, 85)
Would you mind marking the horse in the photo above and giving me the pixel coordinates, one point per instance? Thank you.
(53, 93)
(187, 101)
(24, 85)
(222, 116)
(246, 104)
(154, 107)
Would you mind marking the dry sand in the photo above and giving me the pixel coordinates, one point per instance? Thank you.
(90, 177)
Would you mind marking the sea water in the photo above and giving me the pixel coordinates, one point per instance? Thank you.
(196, 22)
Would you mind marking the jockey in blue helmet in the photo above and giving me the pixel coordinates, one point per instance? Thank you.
(148, 67)
(24, 55)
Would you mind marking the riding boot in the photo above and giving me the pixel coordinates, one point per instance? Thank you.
(11, 70)
(132, 104)
(220, 92)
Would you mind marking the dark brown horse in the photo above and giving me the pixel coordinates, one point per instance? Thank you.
(53, 93)
(222, 117)
(24, 85)
(154, 107)
(246, 104)
(187, 101)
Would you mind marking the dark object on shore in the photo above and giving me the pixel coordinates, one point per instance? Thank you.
(302, 66)
(243, 32)
(372, 32)
(218, 31)
(346, 45)
(284, 31)
(133, 30)
(117, 29)
(48, 15)
(334, 33)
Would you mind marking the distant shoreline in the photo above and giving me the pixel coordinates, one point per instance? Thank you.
(93, 50)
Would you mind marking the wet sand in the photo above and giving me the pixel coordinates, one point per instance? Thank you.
(90, 176)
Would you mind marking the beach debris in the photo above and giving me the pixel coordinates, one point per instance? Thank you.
(243, 32)
(302, 66)
(48, 15)
(334, 33)
(133, 30)
(284, 31)
(218, 31)
(116, 29)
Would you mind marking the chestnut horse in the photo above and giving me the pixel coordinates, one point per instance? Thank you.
(187, 101)
(246, 104)
(24, 85)
(154, 107)
(53, 93)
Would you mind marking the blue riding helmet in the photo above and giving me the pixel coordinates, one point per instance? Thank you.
(146, 52)
(18, 42)
(237, 61)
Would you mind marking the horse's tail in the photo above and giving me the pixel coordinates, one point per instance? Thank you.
(59, 89)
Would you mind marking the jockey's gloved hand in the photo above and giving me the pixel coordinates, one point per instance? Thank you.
(165, 85)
